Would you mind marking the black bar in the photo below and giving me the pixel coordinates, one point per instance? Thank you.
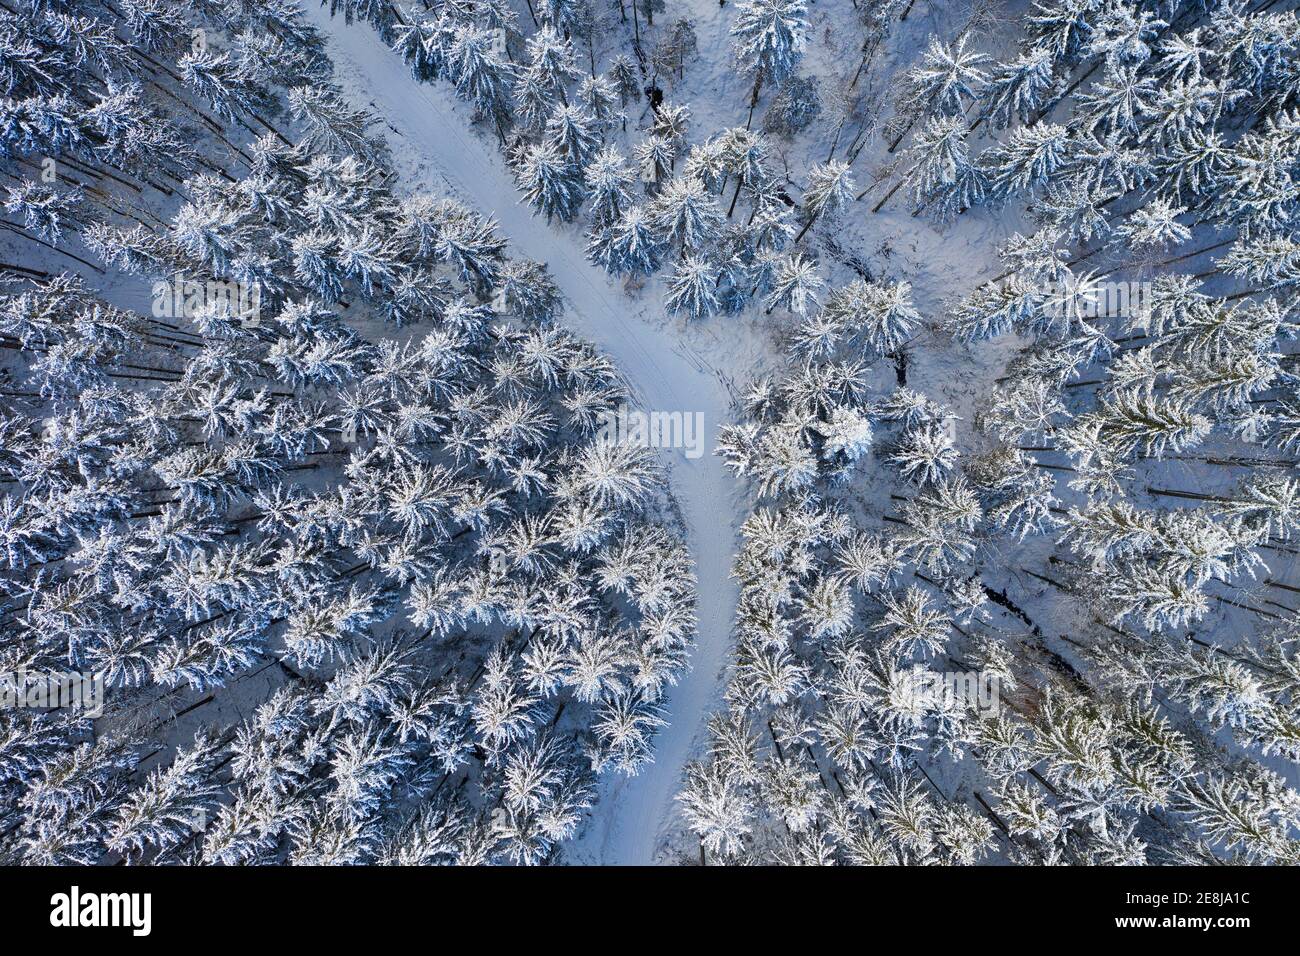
(966, 906)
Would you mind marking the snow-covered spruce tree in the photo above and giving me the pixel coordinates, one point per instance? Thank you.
(830, 189)
(769, 37)
(943, 176)
(798, 101)
(551, 182)
(943, 84)
(691, 289)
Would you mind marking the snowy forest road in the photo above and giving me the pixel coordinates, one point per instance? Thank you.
(430, 139)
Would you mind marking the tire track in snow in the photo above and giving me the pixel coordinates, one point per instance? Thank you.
(629, 818)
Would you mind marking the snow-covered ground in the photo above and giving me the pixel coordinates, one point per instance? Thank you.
(434, 149)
